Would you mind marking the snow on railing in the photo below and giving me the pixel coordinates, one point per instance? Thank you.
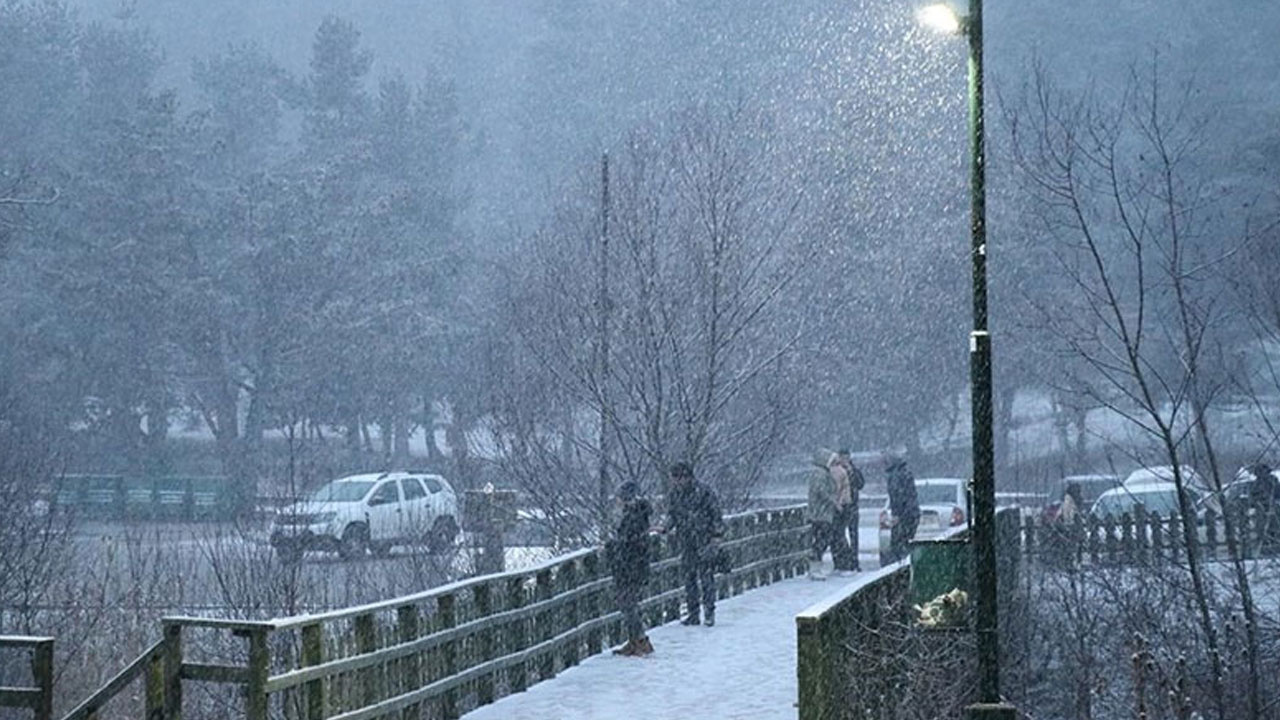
(462, 645)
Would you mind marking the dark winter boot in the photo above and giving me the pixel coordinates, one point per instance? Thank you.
(710, 618)
(692, 618)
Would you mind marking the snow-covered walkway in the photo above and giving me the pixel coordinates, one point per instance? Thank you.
(744, 667)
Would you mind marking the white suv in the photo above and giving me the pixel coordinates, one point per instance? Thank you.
(369, 512)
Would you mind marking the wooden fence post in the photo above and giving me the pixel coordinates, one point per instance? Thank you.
(1127, 550)
(568, 580)
(42, 673)
(1142, 533)
(1210, 533)
(1157, 538)
(172, 652)
(593, 602)
(259, 669)
(483, 598)
(1093, 528)
(1176, 540)
(408, 627)
(1112, 543)
(367, 642)
(546, 621)
(518, 676)
(1244, 539)
(153, 687)
(447, 611)
(1029, 536)
(313, 654)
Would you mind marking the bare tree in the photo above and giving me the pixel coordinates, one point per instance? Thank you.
(1140, 237)
(702, 250)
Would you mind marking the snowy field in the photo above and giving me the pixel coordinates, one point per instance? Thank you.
(744, 667)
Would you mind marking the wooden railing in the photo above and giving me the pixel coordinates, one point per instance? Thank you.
(456, 647)
(1145, 537)
(150, 664)
(847, 630)
(864, 654)
(38, 696)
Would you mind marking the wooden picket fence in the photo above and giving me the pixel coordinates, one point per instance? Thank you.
(1145, 537)
(434, 654)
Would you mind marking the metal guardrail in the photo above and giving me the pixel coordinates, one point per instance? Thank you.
(186, 497)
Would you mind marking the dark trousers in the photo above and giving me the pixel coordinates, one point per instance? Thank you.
(844, 550)
(699, 580)
(629, 605)
(825, 537)
(901, 534)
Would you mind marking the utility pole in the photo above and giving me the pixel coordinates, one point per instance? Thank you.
(602, 312)
(989, 704)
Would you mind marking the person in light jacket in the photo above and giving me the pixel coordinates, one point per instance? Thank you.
(821, 512)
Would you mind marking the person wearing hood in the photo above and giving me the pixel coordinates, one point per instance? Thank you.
(904, 507)
(821, 512)
(628, 554)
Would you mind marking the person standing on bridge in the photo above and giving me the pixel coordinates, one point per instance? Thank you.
(847, 514)
(904, 506)
(628, 554)
(694, 517)
(822, 510)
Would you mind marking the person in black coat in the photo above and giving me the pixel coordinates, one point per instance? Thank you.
(628, 554)
(694, 517)
(904, 507)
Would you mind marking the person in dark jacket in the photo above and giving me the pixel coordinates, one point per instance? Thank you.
(694, 517)
(846, 522)
(628, 554)
(904, 507)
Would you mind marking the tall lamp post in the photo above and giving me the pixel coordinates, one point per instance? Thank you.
(943, 18)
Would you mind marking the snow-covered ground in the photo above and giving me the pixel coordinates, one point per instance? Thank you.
(744, 667)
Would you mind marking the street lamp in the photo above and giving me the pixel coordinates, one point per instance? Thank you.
(944, 18)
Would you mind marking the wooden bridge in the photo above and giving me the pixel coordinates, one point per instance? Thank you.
(438, 653)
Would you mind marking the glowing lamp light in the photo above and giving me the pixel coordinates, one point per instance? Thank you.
(940, 18)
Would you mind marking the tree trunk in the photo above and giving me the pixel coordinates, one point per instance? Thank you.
(400, 430)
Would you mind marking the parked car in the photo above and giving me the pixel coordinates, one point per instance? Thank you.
(369, 512)
(1155, 497)
(1091, 488)
(944, 504)
(1164, 474)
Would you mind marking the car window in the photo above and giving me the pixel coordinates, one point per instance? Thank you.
(1241, 490)
(341, 491)
(386, 493)
(937, 494)
(1164, 502)
(412, 489)
(433, 484)
(1092, 490)
(1111, 505)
